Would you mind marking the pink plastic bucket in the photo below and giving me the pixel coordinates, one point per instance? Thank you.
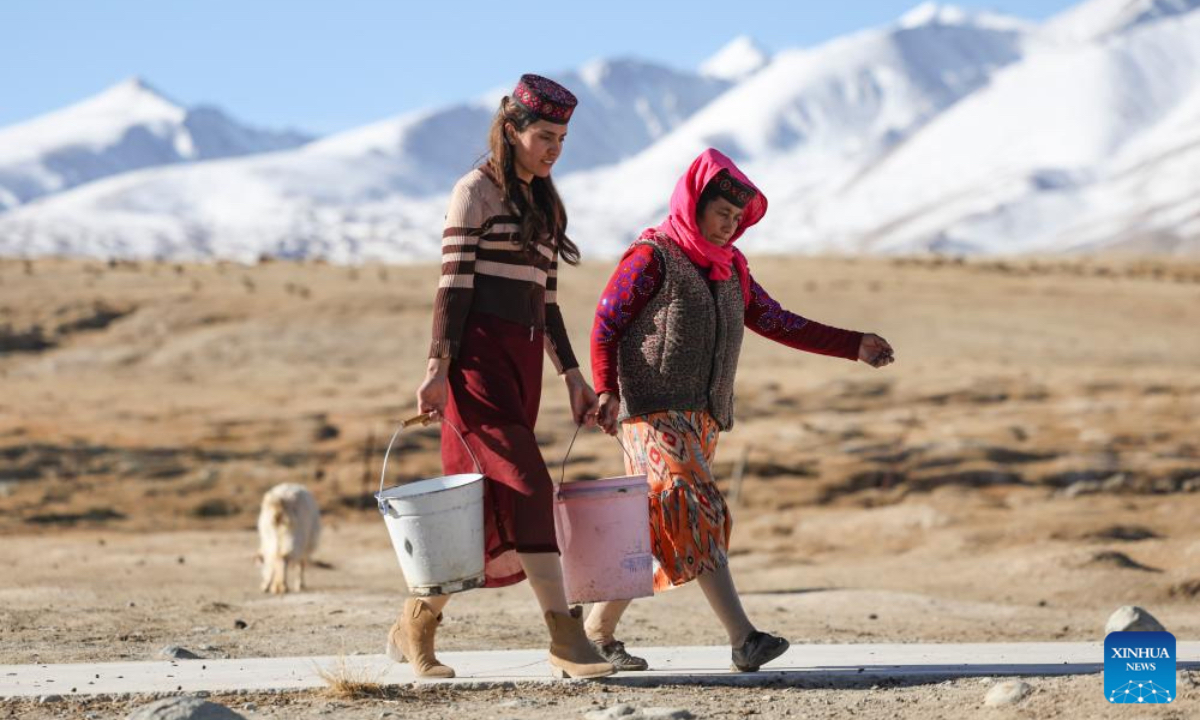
(603, 529)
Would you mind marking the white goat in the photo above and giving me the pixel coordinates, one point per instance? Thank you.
(289, 525)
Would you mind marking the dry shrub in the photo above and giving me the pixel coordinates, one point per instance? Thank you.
(344, 682)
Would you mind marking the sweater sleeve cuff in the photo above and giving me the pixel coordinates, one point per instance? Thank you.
(565, 360)
(443, 348)
(558, 345)
(853, 343)
(610, 389)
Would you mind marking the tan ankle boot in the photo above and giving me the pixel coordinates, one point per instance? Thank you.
(571, 655)
(411, 640)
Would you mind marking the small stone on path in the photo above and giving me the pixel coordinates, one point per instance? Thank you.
(1009, 692)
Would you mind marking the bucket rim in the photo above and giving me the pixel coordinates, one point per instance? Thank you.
(418, 487)
(601, 484)
(611, 478)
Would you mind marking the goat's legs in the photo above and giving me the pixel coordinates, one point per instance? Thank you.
(278, 582)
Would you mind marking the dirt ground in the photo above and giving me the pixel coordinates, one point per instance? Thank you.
(1060, 697)
(1030, 463)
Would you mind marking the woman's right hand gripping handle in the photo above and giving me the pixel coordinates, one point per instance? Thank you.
(433, 393)
(610, 406)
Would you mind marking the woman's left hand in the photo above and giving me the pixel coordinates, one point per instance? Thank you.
(584, 405)
(875, 351)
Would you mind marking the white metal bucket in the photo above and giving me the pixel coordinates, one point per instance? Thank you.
(603, 529)
(436, 526)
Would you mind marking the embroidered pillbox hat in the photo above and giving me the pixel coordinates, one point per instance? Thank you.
(732, 190)
(545, 98)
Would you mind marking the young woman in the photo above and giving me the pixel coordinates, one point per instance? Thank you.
(665, 345)
(494, 315)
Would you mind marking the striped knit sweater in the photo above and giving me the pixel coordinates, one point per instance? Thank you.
(484, 270)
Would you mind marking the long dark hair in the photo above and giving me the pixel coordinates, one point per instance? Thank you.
(545, 215)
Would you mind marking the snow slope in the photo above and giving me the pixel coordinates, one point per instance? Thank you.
(126, 127)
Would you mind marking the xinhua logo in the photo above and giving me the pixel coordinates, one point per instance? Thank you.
(1139, 667)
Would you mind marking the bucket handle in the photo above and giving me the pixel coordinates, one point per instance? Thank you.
(423, 420)
(563, 475)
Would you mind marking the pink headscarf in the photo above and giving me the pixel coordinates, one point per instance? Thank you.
(681, 227)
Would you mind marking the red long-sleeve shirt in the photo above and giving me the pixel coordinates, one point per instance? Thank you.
(639, 276)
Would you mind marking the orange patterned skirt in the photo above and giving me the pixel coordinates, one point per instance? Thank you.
(689, 520)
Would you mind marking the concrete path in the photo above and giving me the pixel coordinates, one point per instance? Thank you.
(804, 665)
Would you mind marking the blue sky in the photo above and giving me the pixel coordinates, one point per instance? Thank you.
(329, 65)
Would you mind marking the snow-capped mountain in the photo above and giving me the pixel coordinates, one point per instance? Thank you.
(809, 122)
(376, 191)
(946, 130)
(1067, 150)
(625, 105)
(738, 60)
(1098, 19)
(126, 127)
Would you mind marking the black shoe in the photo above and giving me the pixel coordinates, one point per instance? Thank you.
(614, 652)
(758, 650)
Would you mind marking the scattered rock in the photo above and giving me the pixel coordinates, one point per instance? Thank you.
(239, 624)
(1009, 692)
(174, 652)
(250, 706)
(184, 708)
(616, 712)
(1089, 482)
(667, 714)
(1117, 482)
(625, 711)
(1082, 487)
(1131, 618)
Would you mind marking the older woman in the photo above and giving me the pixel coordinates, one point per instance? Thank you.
(665, 345)
(495, 315)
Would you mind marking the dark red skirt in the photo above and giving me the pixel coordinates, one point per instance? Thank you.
(495, 390)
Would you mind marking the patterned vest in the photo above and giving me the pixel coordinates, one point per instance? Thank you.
(681, 353)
